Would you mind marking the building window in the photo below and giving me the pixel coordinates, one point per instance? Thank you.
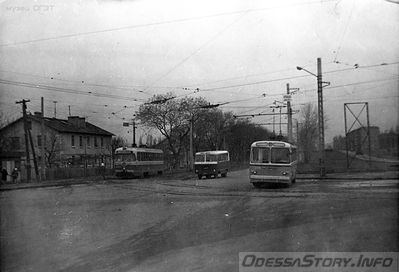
(80, 141)
(15, 143)
(88, 141)
(102, 142)
(95, 142)
(39, 140)
(73, 140)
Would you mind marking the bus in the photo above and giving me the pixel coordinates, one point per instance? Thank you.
(138, 162)
(272, 162)
(212, 163)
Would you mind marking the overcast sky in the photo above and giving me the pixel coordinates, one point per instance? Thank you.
(105, 58)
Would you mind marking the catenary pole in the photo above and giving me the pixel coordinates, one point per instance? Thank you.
(322, 153)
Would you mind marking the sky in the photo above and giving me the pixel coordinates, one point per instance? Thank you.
(102, 59)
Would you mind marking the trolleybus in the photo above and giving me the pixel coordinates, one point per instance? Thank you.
(272, 162)
(212, 163)
(140, 162)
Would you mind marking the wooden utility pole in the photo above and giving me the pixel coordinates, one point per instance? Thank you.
(28, 167)
(34, 156)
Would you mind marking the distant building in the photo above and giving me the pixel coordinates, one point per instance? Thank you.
(67, 143)
(357, 140)
(389, 143)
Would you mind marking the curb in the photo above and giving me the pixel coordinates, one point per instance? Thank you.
(64, 183)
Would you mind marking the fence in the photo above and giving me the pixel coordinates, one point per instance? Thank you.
(74, 172)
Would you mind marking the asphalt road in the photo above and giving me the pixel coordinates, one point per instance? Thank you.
(156, 224)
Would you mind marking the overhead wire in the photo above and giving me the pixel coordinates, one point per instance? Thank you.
(65, 90)
(159, 23)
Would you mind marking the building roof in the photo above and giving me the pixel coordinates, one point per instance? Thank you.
(213, 152)
(137, 149)
(272, 144)
(62, 125)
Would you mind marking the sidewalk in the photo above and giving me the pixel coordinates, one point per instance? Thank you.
(352, 175)
(52, 183)
(188, 175)
(367, 158)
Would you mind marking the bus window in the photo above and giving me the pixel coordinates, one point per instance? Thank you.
(222, 157)
(211, 158)
(125, 157)
(199, 157)
(293, 155)
(280, 155)
(260, 154)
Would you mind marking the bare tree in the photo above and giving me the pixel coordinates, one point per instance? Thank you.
(117, 141)
(51, 148)
(211, 128)
(171, 117)
(308, 131)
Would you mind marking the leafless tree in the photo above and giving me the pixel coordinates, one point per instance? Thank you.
(308, 131)
(51, 148)
(171, 117)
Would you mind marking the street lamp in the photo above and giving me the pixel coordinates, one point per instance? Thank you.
(301, 68)
(320, 116)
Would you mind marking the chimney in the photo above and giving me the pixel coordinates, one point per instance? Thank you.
(77, 121)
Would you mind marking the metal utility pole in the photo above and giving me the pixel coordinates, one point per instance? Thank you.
(274, 131)
(322, 154)
(133, 123)
(55, 109)
(191, 144)
(134, 133)
(43, 155)
(289, 113)
(28, 167)
(321, 118)
(280, 121)
(287, 98)
(357, 141)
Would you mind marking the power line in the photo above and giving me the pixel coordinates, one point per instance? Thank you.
(344, 31)
(160, 23)
(125, 88)
(65, 90)
(294, 77)
(198, 49)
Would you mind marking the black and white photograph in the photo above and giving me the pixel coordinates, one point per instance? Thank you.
(213, 135)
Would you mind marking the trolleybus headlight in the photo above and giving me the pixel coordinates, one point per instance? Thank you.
(253, 172)
(284, 173)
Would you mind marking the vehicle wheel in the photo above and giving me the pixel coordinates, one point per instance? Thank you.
(257, 184)
(208, 176)
(199, 176)
(224, 175)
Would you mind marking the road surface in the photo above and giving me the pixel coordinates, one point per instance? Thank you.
(155, 224)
